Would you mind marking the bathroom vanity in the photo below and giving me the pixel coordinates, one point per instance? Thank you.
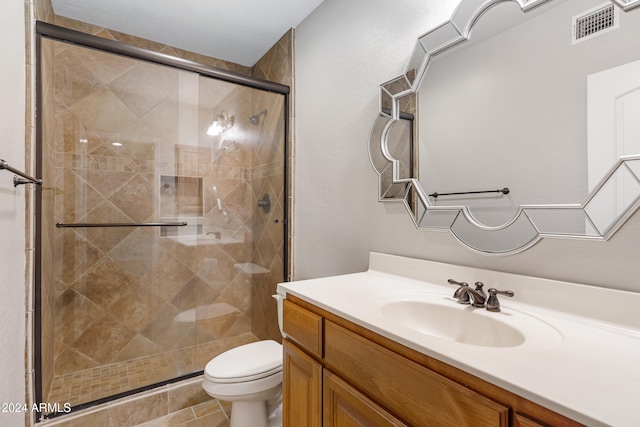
(391, 347)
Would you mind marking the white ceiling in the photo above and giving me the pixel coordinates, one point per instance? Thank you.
(239, 31)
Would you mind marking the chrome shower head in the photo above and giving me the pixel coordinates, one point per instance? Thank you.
(255, 120)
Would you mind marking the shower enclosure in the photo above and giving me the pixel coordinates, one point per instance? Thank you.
(155, 253)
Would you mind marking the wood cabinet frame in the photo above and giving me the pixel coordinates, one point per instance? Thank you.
(343, 345)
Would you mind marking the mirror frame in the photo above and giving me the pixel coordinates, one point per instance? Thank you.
(459, 220)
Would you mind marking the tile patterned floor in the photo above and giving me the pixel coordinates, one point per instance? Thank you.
(209, 414)
(92, 384)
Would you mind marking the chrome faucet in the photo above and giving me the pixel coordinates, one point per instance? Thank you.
(216, 234)
(458, 293)
(477, 297)
(464, 294)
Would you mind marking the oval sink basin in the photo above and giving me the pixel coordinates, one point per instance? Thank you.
(440, 316)
(451, 323)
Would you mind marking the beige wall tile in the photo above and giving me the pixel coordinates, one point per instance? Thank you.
(138, 411)
(186, 396)
(95, 419)
(104, 339)
(175, 419)
(216, 419)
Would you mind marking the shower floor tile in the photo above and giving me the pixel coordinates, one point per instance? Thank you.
(208, 414)
(92, 384)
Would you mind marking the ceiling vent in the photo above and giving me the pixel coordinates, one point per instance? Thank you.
(595, 22)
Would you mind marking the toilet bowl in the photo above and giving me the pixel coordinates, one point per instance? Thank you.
(250, 377)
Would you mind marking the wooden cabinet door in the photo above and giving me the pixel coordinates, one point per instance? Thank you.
(522, 421)
(301, 389)
(344, 406)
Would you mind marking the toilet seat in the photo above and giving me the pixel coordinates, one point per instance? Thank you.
(248, 362)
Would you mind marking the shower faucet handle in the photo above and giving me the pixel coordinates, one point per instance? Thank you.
(265, 203)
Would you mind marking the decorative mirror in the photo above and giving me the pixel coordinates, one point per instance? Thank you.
(526, 123)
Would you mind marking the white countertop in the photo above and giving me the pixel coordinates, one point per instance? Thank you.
(587, 368)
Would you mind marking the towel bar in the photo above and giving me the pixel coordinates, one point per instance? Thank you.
(121, 224)
(26, 179)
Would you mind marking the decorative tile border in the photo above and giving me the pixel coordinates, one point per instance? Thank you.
(174, 404)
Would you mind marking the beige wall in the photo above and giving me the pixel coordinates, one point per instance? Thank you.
(338, 72)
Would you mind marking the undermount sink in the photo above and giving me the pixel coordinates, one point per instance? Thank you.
(440, 316)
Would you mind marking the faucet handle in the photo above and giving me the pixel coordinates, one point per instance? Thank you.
(455, 282)
(462, 298)
(479, 286)
(492, 302)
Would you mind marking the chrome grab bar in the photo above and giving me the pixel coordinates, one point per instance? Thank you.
(121, 224)
(26, 179)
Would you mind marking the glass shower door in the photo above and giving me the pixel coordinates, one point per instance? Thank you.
(157, 255)
(117, 285)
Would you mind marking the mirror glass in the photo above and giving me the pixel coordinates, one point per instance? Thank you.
(541, 101)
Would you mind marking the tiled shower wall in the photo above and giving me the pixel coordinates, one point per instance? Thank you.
(42, 10)
(266, 172)
(276, 65)
(119, 291)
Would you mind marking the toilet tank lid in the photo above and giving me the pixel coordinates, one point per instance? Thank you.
(246, 360)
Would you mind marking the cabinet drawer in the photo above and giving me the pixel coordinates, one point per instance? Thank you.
(414, 393)
(303, 327)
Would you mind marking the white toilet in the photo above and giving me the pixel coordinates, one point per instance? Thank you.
(250, 377)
